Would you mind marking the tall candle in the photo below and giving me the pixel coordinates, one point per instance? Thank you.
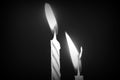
(75, 56)
(55, 45)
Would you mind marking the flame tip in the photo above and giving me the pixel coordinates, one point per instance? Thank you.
(46, 4)
(81, 48)
(50, 17)
(65, 33)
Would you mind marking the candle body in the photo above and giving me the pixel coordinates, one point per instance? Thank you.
(55, 60)
(79, 77)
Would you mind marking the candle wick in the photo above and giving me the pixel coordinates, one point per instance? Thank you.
(55, 36)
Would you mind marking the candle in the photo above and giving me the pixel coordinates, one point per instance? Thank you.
(75, 56)
(55, 45)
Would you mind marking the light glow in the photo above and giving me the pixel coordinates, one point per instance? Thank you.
(73, 51)
(50, 16)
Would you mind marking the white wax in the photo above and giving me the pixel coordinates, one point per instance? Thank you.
(55, 59)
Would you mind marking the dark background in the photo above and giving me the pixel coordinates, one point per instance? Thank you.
(26, 39)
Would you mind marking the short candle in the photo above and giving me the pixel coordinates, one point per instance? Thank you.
(75, 56)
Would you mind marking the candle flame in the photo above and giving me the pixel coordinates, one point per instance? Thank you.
(50, 17)
(73, 51)
(81, 49)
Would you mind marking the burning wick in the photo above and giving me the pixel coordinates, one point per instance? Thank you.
(55, 45)
(75, 56)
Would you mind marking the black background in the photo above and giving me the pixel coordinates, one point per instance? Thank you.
(26, 39)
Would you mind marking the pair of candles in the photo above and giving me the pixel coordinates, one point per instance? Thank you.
(55, 48)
